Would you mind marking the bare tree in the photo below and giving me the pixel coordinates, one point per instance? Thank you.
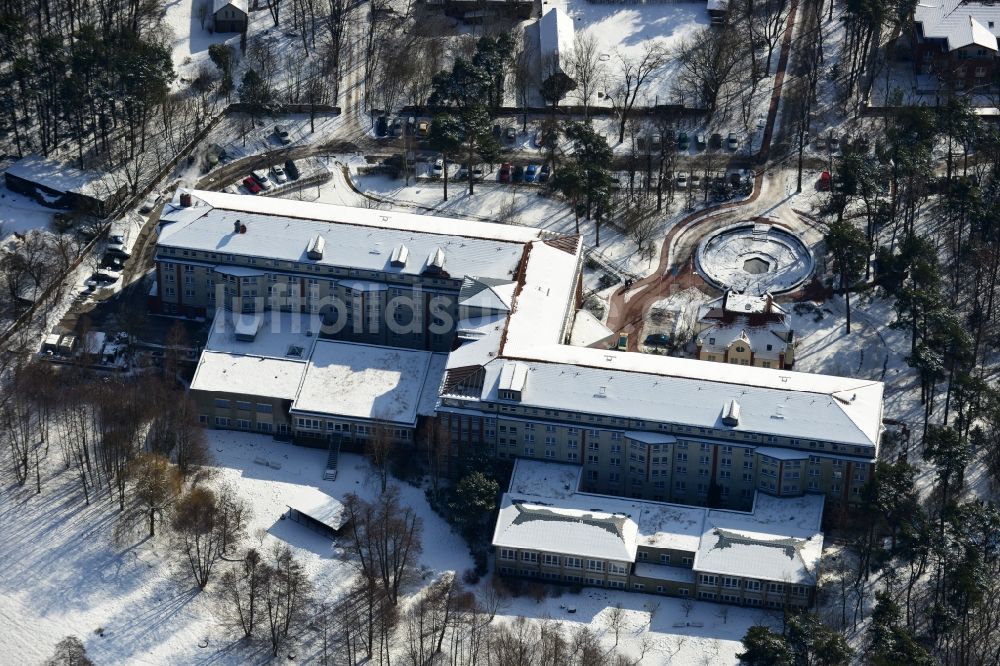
(195, 521)
(286, 589)
(634, 73)
(155, 485)
(616, 619)
(70, 651)
(587, 68)
(379, 447)
(384, 538)
(707, 62)
(242, 588)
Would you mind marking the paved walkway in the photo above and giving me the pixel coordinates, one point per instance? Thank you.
(626, 313)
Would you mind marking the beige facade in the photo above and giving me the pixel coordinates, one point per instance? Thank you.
(675, 463)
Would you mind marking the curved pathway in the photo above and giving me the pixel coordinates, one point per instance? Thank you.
(627, 307)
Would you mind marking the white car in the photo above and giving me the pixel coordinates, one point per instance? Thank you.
(149, 203)
(231, 189)
(695, 181)
(261, 177)
(682, 179)
(279, 173)
(438, 168)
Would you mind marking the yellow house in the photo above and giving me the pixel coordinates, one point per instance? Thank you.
(746, 330)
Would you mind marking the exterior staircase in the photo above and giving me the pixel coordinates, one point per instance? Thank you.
(333, 453)
(760, 230)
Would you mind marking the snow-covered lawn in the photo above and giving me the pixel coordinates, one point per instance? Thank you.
(19, 214)
(60, 572)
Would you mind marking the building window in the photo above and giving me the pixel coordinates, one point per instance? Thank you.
(222, 421)
(573, 562)
(707, 579)
(728, 581)
(529, 557)
(551, 560)
(664, 559)
(595, 565)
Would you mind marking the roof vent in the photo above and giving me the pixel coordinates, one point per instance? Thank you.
(436, 260)
(731, 413)
(399, 255)
(316, 246)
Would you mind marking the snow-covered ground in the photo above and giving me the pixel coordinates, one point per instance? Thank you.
(190, 40)
(19, 214)
(60, 572)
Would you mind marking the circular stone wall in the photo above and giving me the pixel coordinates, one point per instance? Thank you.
(754, 258)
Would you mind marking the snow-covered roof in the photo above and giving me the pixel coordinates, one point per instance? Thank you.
(236, 4)
(367, 382)
(487, 294)
(589, 331)
(664, 572)
(319, 506)
(959, 23)
(694, 393)
(255, 375)
(779, 541)
(717, 5)
(544, 479)
(580, 526)
(556, 35)
(60, 176)
(358, 238)
(279, 335)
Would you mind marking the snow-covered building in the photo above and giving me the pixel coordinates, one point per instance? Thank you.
(555, 41)
(56, 184)
(230, 15)
(956, 41)
(768, 556)
(745, 330)
(507, 382)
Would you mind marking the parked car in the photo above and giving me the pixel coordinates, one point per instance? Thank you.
(510, 134)
(657, 340)
(292, 169)
(715, 141)
(732, 141)
(622, 342)
(699, 141)
(251, 185)
(149, 203)
(279, 173)
(116, 245)
(423, 128)
(504, 174)
(477, 173)
(381, 126)
(531, 173)
(397, 127)
(518, 175)
(543, 175)
(655, 143)
(282, 135)
(231, 189)
(834, 143)
(682, 179)
(261, 177)
(438, 169)
(497, 132)
(463, 173)
(411, 126)
(820, 143)
(683, 142)
(695, 181)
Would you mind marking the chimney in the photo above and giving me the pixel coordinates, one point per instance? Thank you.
(243, 228)
(185, 199)
(236, 227)
(725, 299)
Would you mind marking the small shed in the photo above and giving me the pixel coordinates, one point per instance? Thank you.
(59, 185)
(319, 512)
(230, 15)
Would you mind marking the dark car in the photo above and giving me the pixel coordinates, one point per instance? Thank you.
(518, 174)
(292, 170)
(510, 134)
(683, 142)
(543, 175)
(504, 175)
(657, 340)
(381, 126)
(531, 173)
(715, 141)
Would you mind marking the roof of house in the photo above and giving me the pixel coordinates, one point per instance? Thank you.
(220, 372)
(719, 337)
(544, 478)
(356, 237)
(236, 4)
(319, 506)
(556, 34)
(959, 23)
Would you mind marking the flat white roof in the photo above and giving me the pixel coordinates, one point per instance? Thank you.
(544, 479)
(356, 237)
(60, 176)
(780, 541)
(664, 572)
(248, 375)
(367, 382)
(588, 330)
(279, 335)
(572, 527)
